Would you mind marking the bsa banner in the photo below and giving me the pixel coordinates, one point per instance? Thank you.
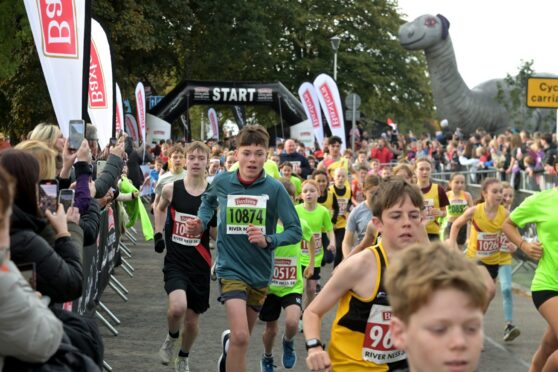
(131, 127)
(214, 123)
(309, 99)
(328, 94)
(100, 102)
(61, 33)
(119, 119)
(239, 115)
(140, 106)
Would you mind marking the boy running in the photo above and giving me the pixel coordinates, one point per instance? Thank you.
(188, 259)
(250, 203)
(359, 335)
(437, 298)
(285, 291)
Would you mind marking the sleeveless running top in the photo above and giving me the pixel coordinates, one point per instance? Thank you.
(360, 336)
(484, 242)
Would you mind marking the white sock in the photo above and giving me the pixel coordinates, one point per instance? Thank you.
(227, 345)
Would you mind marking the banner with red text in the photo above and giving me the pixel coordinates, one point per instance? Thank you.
(213, 124)
(140, 107)
(61, 33)
(330, 101)
(100, 102)
(131, 127)
(309, 100)
(119, 112)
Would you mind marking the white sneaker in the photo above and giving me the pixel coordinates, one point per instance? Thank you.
(166, 352)
(181, 364)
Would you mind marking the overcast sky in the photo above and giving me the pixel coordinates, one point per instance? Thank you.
(491, 37)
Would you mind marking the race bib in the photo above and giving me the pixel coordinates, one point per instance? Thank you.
(428, 206)
(244, 210)
(179, 235)
(504, 244)
(343, 204)
(284, 272)
(487, 244)
(378, 347)
(296, 166)
(457, 207)
(317, 245)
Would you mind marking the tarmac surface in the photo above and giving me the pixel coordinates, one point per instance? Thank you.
(143, 326)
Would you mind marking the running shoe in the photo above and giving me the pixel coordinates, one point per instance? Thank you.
(511, 333)
(222, 363)
(289, 354)
(266, 364)
(166, 352)
(181, 364)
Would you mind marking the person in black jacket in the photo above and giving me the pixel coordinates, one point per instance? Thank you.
(58, 268)
(301, 167)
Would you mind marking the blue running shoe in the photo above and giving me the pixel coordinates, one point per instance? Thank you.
(289, 354)
(266, 364)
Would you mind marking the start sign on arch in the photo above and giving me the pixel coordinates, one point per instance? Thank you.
(542, 92)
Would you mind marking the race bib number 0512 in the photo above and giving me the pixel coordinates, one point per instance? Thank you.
(244, 210)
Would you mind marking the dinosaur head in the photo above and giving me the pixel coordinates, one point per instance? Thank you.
(424, 32)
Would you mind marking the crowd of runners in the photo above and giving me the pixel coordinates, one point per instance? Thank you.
(278, 215)
(415, 262)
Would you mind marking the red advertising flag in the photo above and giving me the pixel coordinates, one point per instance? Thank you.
(311, 104)
(214, 121)
(330, 101)
(131, 127)
(100, 102)
(119, 119)
(61, 38)
(140, 106)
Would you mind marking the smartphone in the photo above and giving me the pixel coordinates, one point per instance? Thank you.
(77, 133)
(100, 166)
(66, 198)
(48, 195)
(29, 273)
(113, 141)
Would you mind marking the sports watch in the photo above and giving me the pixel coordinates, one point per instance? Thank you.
(312, 343)
(269, 241)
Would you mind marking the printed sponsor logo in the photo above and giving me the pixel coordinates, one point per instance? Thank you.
(58, 26)
(246, 201)
(330, 105)
(97, 92)
(386, 315)
(311, 109)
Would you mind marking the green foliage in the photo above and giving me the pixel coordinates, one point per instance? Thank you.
(162, 42)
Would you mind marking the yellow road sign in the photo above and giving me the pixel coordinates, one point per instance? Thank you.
(542, 92)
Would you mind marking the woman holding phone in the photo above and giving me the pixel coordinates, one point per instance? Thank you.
(58, 268)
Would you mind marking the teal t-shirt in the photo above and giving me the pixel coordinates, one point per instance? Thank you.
(540, 209)
(319, 221)
(287, 272)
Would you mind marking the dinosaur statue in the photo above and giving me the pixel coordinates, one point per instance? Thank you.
(465, 108)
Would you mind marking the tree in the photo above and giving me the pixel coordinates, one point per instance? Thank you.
(164, 42)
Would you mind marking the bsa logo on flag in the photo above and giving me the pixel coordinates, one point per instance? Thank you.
(58, 26)
(97, 93)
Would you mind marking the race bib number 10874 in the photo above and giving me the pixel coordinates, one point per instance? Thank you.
(244, 210)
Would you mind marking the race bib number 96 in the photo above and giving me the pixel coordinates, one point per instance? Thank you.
(378, 346)
(244, 210)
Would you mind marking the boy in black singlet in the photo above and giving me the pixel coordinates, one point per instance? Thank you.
(188, 260)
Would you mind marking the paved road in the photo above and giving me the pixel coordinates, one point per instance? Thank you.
(143, 327)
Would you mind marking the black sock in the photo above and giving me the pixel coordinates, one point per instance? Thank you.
(174, 335)
(183, 354)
